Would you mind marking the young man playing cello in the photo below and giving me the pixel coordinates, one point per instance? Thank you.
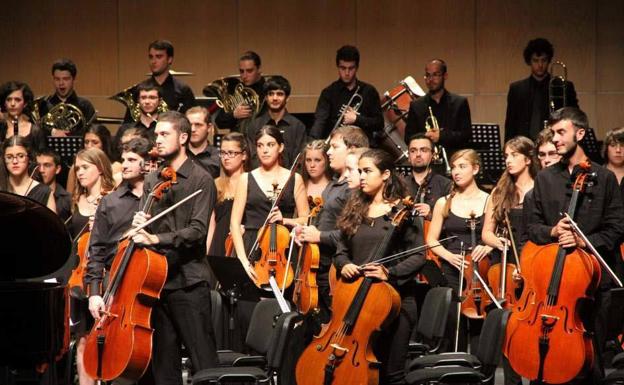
(599, 214)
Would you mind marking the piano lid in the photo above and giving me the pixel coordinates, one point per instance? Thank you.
(33, 240)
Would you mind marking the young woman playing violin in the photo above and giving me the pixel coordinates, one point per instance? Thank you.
(17, 156)
(316, 173)
(365, 221)
(451, 216)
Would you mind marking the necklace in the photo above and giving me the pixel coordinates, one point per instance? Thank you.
(93, 200)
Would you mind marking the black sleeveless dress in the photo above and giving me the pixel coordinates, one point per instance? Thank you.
(223, 211)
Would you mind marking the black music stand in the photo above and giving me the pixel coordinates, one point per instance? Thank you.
(485, 140)
(592, 147)
(66, 147)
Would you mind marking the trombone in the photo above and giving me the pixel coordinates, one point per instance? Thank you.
(557, 86)
(439, 153)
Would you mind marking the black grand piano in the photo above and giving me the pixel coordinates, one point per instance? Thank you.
(34, 246)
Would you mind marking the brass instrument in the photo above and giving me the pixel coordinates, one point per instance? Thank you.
(63, 117)
(557, 82)
(354, 103)
(231, 93)
(126, 97)
(439, 153)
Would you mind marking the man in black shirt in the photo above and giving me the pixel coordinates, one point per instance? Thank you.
(332, 99)
(183, 313)
(451, 111)
(277, 91)
(527, 99)
(64, 73)
(200, 149)
(599, 213)
(148, 98)
(49, 164)
(250, 76)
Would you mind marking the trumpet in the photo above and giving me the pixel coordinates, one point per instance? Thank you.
(439, 153)
(354, 103)
(557, 82)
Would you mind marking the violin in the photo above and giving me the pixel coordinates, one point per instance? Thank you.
(500, 278)
(305, 295)
(119, 345)
(343, 354)
(545, 337)
(431, 258)
(474, 294)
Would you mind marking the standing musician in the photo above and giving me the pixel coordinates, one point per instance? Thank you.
(149, 96)
(424, 185)
(599, 214)
(64, 73)
(511, 199)
(94, 174)
(96, 136)
(450, 217)
(527, 99)
(200, 149)
(113, 217)
(613, 152)
(277, 90)
(183, 313)
(363, 224)
(316, 173)
(15, 98)
(451, 111)
(250, 76)
(546, 150)
(336, 96)
(49, 166)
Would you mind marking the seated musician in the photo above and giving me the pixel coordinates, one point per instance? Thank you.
(364, 223)
(527, 99)
(64, 73)
(17, 156)
(613, 153)
(451, 215)
(316, 172)
(601, 218)
(250, 76)
(546, 150)
(200, 149)
(336, 96)
(149, 97)
(15, 101)
(277, 91)
(113, 218)
(451, 111)
(49, 166)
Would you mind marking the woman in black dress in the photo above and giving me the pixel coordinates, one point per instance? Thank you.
(15, 99)
(17, 155)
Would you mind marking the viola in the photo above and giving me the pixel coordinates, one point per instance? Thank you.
(430, 256)
(500, 278)
(545, 337)
(305, 294)
(119, 345)
(343, 354)
(474, 294)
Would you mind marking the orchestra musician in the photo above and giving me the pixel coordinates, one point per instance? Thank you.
(613, 153)
(599, 215)
(450, 218)
(200, 149)
(15, 99)
(451, 111)
(333, 97)
(363, 225)
(527, 99)
(250, 76)
(277, 91)
(546, 150)
(316, 172)
(49, 166)
(183, 313)
(64, 73)
(148, 97)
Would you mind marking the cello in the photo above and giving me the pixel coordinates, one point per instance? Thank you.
(305, 294)
(343, 354)
(120, 344)
(545, 339)
(474, 302)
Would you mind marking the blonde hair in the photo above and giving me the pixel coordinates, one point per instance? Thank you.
(98, 158)
(318, 145)
(474, 159)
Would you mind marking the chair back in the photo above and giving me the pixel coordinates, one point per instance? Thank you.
(492, 338)
(434, 313)
(281, 339)
(261, 325)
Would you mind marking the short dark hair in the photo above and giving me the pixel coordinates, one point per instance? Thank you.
(539, 46)
(348, 53)
(178, 120)
(139, 146)
(573, 114)
(162, 45)
(251, 55)
(11, 86)
(277, 82)
(442, 64)
(56, 158)
(614, 136)
(148, 86)
(420, 135)
(65, 65)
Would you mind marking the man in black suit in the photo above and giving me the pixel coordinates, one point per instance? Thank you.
(527, 100)
(451, 111)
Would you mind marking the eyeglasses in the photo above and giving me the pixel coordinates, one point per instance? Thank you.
(229, 154)
(20, 157)
(549, 154)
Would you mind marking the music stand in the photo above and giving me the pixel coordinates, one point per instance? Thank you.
(592, 147)
(485, 140)
(66, 147)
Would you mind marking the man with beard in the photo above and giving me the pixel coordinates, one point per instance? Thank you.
(148, 97)
(49, 166)
(599, 214)
(451, 111)
(337, 94)
(183, 313)
(277, 90)
(200, 149)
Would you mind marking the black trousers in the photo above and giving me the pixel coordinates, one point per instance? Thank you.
(182, 316)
